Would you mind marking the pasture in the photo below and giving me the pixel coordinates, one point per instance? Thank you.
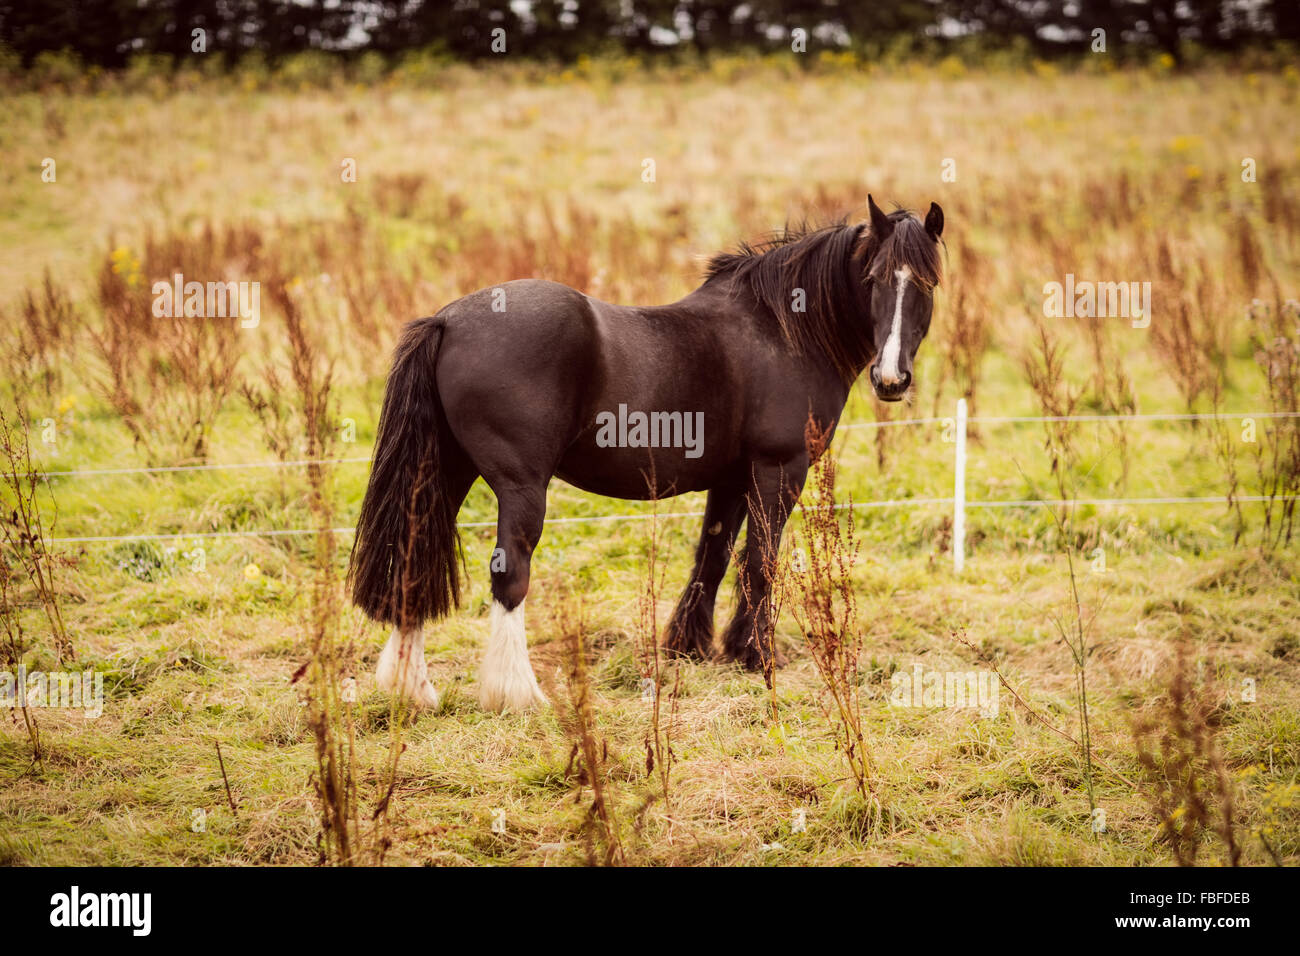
(1186, 611)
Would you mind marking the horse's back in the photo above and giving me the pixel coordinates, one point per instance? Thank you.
(508, 305)
(511, 362)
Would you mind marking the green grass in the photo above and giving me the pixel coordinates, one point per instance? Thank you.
(957, 788)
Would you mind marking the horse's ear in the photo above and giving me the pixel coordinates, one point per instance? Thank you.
(934, 221)
(881, 227)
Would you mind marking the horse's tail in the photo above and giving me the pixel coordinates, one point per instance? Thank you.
(404, 562)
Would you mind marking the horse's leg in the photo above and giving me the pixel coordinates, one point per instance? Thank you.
(402, 669)
(506, 679)
(690, 629)
(772, 493)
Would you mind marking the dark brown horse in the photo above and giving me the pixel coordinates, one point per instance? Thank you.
(532, 380)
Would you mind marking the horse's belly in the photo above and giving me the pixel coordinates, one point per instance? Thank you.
(636, 473)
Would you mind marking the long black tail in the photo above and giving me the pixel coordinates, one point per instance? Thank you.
(404, 562)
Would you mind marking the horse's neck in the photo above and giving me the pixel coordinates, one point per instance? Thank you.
(734, 301)
(855, 327)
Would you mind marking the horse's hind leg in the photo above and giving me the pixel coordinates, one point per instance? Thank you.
(690, 629)
(506, 678)
(402, 669)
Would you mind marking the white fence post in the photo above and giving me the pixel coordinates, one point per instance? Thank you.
(959, 493)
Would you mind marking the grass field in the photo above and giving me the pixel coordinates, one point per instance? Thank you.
(1126, 176)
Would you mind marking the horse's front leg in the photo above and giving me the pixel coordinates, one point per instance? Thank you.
(690, 629)
(772, 493)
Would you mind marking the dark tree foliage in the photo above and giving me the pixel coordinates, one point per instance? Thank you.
(107, 32)
(1164, 24)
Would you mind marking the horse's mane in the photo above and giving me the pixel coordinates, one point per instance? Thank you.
(827, 263)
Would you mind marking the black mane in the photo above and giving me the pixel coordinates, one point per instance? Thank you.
(829, 264)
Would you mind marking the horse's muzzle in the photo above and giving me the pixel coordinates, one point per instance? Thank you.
(893, 392)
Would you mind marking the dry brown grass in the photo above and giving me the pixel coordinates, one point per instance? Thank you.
(42, 342)
(167, 377)
(589, 757)
(25, 530)
(1058, 399)
(1188, 786)
(653, 661)
(968, 329)
(27, 568)
(1276, 337)
(825, 606)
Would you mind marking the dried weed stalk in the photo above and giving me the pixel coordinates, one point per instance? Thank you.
(1187, 783)
(588, 756)
(825, 607)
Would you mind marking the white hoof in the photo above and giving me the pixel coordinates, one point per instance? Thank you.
(506, 680)
(402, 669)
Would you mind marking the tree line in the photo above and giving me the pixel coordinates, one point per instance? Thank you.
(108, 32)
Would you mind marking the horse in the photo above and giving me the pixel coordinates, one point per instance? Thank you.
(532, 380)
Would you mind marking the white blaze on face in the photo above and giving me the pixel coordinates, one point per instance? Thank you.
(888, 364)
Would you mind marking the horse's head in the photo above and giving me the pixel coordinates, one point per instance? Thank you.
(902, 272)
